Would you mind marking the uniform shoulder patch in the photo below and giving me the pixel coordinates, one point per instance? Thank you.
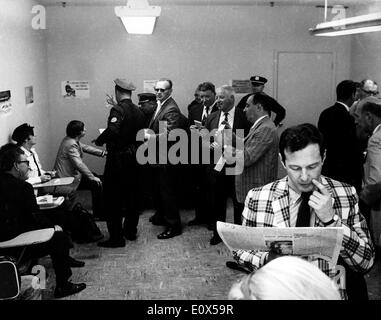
(114, 119)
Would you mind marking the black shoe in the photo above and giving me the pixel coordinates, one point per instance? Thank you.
(73, 263)
(215, 240)
(235, 266)
(112, 243)
(196, 222)
(130, 236)
(68, 289)
(169, 233)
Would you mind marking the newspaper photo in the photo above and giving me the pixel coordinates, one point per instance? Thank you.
(311, 243)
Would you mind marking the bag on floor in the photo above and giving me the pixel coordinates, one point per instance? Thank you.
(83, 227)
(9, 278)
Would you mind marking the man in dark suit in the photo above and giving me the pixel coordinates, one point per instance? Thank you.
(343, 159)
(222, 182)
(199, 112)
(257, 85)
(166, 118)
(18, 207)
(121, 173)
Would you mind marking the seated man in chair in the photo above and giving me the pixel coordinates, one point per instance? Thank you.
(17, 207)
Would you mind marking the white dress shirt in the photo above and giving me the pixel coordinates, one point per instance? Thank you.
(33, 164)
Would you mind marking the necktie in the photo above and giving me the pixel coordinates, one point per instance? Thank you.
(226, 120)
(35, 161)
(304, 212)
(205, 115)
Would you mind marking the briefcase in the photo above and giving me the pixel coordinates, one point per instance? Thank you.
(9, 278)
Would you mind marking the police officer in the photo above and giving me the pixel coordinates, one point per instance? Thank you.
(147, 104)
(121, 170)
(257, 85)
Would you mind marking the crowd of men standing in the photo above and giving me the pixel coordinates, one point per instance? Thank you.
(236, 148)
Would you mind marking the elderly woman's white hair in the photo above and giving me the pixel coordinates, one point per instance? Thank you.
(285, 278)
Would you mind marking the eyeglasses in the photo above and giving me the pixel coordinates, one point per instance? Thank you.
(160, 90)
(24, 161)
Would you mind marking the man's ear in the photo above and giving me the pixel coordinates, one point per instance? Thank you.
(324, 155)
(281, 161)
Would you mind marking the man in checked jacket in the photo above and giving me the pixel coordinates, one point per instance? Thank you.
(331, 204)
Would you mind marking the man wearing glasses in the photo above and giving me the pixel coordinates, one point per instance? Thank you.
(166, 118)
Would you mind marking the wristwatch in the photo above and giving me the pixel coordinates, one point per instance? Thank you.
(334, 219)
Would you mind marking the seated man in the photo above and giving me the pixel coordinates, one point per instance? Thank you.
(17, 207)
(306, 198)
(25, 138)
(69, 163)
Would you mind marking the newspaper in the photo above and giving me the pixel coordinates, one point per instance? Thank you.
(311, 243)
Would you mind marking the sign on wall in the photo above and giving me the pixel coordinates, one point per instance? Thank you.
(5, 101)
(71, 89)
(29, 95)
(241, 86)
(149, 86)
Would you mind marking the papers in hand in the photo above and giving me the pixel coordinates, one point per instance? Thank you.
(48, 201)
(45, 200)
(324, 243)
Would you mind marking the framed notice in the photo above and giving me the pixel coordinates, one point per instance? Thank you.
(29, 95)
(5, 101)
(241, 86)
(75, 89)
(149, 86)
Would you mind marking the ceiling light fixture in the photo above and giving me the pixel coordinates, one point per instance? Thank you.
(360, 24)
(138, 16)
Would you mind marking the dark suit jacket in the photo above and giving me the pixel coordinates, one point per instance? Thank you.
(17, 205)
(273, 105)
(195, 112)
(343, 160)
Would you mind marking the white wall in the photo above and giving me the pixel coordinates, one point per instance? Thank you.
(23, 62)
(191, 44)
(366, 51)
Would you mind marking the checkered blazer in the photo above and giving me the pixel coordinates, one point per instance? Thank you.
(268, 206)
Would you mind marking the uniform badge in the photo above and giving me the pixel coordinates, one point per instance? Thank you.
(113, 120)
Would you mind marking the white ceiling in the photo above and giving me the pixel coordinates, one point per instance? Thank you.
(350, 3)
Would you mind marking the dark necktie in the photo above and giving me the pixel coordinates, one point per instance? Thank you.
(226, 120)
(304, 212)
(35, 161)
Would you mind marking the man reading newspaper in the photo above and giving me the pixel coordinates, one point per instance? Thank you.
(305, 198)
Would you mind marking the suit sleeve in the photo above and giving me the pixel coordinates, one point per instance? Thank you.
(251, 259)
(92, 150)
(172, 119)
(371, 193)
(357, 247)
(113, 127)
(74, 155)
(257, 145)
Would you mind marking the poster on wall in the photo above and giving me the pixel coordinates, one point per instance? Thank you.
(29, 95)
(72, 89)
(241, 86)
(5, 101)
(149, 86)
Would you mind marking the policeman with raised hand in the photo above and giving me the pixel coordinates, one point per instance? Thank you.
(121, 170)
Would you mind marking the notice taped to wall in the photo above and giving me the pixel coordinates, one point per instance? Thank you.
(5, 101)
(72, 89)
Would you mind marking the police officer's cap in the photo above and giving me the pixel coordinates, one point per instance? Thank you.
(145, 97)
(22, 132)
(258, 80)
(124, 84)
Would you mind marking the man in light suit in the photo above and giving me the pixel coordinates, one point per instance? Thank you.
(166, 118)
(260, 153)
(306, 198)
(221, 182)
(368, 119)
(69, 163)
(343, 155)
